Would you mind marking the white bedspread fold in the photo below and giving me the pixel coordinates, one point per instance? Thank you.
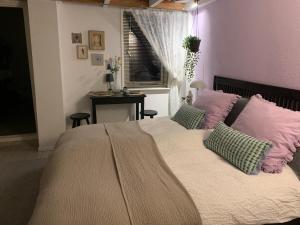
(223, 194)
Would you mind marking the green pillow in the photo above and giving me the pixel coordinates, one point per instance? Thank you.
(243, 151)
(189, 116)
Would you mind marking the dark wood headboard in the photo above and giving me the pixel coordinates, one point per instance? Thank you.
(284, 97)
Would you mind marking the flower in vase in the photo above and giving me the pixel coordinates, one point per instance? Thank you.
(114, 64)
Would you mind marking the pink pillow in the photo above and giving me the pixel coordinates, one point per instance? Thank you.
(266, 121)
(216, 104)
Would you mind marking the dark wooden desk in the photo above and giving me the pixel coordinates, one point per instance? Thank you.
(118, 99)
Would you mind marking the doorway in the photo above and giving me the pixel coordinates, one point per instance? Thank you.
(16, 101)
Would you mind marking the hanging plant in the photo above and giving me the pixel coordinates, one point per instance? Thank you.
(190, 64)
(191, 44)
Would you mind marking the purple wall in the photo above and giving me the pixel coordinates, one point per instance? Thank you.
(257, 40)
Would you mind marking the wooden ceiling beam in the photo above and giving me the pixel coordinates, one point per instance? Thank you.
(153, 3)
(145, 4)
(106, 3)
(159, 4)
(130, 3)
(170, 6)
(84, 1)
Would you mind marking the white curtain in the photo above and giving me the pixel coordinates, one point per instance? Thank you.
(165, 31)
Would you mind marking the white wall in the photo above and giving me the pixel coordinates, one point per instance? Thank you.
(61, 81)
(79, 76)
(157, 100)
(46, 71)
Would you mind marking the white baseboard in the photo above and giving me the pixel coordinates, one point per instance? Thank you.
(20, 137)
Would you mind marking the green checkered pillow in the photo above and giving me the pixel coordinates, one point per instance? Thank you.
(189, 116)
(241, 150)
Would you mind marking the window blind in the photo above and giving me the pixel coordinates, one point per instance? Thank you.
(142, 66)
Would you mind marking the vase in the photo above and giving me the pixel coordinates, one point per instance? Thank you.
(117, 82)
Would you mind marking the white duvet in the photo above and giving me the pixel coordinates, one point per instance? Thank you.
(223, 194)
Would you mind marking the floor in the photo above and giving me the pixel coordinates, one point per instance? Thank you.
(13, 122)
(20, 171)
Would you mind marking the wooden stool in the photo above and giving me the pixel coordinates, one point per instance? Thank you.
(150, 113)
(77, 117)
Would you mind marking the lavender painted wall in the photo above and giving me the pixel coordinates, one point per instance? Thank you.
(257, 40)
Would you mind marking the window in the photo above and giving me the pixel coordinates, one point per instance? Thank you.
(142, 67)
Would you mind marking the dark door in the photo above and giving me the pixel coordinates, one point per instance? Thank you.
(16, 103)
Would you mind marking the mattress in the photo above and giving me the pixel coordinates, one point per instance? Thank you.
(223, 194)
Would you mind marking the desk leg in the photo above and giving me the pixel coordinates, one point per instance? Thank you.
(142, 109)
(137, 111)
(94, 113)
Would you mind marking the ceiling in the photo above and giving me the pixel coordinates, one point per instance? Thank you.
(158, 4)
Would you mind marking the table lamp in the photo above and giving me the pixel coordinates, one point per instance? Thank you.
(198, 84)
(109, 78)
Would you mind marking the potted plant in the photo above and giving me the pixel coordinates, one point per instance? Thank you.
(191, 44)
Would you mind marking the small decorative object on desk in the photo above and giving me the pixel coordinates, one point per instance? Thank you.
(114, 65)
(100, 93)
(125, 91)
(135, 93)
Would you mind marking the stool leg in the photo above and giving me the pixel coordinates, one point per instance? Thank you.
(151, 117)
(78, 123)
(87, 121)
(74, 124)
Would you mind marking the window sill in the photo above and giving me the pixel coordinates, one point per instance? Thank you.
(150, 89)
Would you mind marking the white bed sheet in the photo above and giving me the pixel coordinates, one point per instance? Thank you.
(223, 194)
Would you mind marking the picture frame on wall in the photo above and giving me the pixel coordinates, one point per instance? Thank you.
(82, 52)
(76, 38)
(97, 59)
(96, 40)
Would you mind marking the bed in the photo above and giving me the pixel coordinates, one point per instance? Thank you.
(70, 188)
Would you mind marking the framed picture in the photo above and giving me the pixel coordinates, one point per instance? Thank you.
(97, 59)
(76, 38)
(96, 40)
(82, 51)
